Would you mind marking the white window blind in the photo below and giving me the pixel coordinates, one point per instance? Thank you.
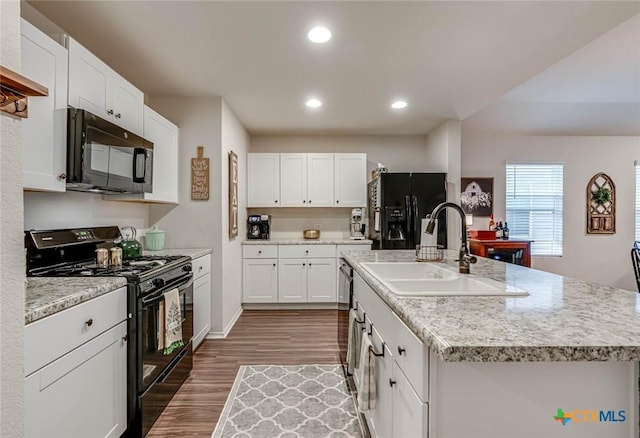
(534, 205)
(637, 200)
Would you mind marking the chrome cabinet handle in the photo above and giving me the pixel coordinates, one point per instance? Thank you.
(110, 112)
(401, 350)
(89, 322)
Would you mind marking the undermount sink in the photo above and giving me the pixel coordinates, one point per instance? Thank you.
(436, 279)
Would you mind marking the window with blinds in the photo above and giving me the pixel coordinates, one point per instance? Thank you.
(534, 206)
(637, 200)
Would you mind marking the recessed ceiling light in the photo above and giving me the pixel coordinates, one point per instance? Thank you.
(314, 103)
(319, 35)
(399, 104)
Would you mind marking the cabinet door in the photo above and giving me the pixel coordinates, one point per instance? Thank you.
(263, 180)
(380, 417)
(293, 180)
(351, 180)
(260, 281)
(83, 393)
(409, 412)
(127, 103)
(164, 136)
(88, 81)
(44, 132)
(320, 180)
(292, 281)
(321, 281)
(201, 309)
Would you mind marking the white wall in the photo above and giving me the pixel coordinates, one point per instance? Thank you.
(194, 224)
(600, 258)
(233, 138)
(444, 148)
(12, 268)
(76, 209)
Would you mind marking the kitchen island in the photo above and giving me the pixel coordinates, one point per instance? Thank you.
(502, 366)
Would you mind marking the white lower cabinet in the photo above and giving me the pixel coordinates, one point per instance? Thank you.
(201, 299)
(409, 412)
(260, 280)
(321, 281)
(82, 393)
(400, 411)
(292, 281)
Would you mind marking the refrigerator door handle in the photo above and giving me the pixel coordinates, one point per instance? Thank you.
(418, 224)
(409, 211)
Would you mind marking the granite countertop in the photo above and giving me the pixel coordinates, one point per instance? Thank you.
(300, 241)
(562, 319)
(45, 296)
(194, 253)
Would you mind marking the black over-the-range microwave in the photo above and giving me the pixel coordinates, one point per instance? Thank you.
(102, 157)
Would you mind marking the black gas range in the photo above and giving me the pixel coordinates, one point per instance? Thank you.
(153, 375)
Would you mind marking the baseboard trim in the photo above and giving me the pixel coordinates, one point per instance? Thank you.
(290, 306)
(227, 329)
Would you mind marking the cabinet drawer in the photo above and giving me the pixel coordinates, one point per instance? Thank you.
(201, 266)
(412, 356)
(299, 251)
(260, 251)
(49, 338)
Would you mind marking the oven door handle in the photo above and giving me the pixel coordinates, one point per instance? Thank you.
(160, 294)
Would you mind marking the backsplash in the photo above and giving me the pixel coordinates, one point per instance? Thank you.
(75, 209)
(289, 222)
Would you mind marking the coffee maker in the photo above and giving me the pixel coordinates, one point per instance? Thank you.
(356, 227)
(258, 226)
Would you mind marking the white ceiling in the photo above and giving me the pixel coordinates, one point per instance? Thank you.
(593, 91)
(447, 59)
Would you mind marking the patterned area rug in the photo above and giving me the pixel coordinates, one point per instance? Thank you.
(302, 401)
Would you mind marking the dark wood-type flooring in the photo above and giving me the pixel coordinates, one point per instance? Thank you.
(283, 337)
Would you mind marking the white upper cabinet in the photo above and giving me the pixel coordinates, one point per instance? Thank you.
(166, 161)
(44, 132)
(164, 135)
(94, 86)
(351, 180)
(320, 180)
(293, 180)
(307, 180)
(263, 180)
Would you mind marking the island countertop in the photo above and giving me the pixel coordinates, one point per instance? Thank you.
(562, 319)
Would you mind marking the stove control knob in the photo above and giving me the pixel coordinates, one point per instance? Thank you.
(187, 268)
(158, 282)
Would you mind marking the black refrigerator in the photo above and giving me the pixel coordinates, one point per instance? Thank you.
(397, 204)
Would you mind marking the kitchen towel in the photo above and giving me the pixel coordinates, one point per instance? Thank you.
(161, 326)
(172, 321)
(353, 342)
(366, 376)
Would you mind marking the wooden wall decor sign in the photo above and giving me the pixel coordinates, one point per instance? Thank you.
(601, 205)
(14, 90)
(200, 177)
(233, 195)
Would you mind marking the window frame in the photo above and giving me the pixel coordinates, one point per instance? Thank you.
(552, 247)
